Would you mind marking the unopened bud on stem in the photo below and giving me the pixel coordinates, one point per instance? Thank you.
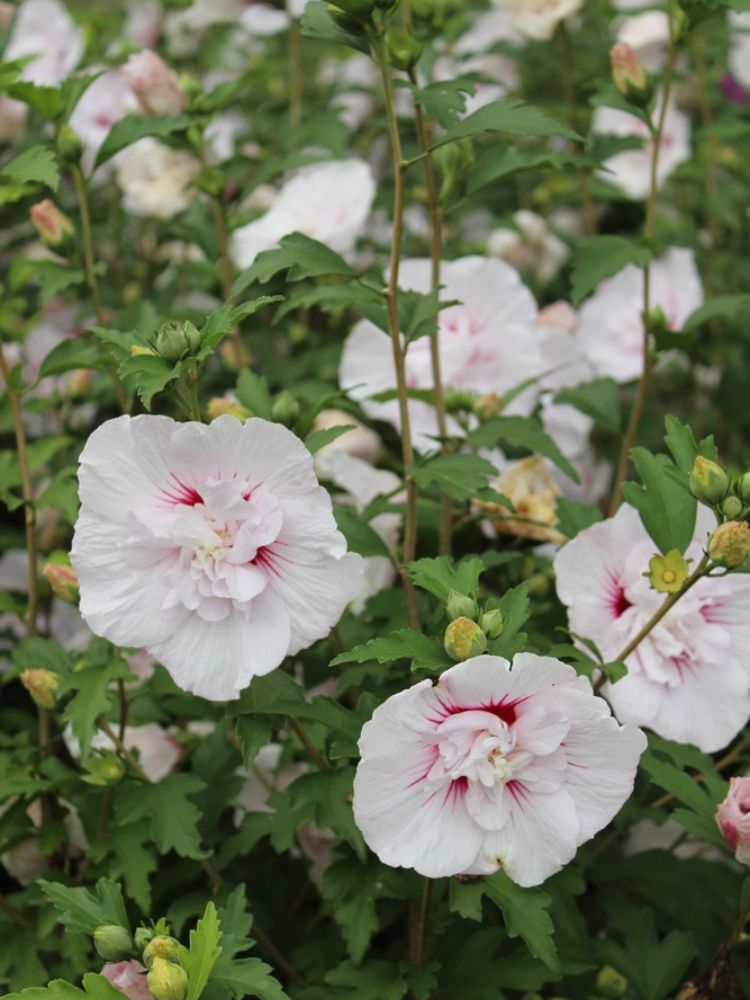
(167, 981)
(54, 227)
(42, 685)
(708, 481)
(463, 639)
(730, 544)
(629, 75)
(113, 943)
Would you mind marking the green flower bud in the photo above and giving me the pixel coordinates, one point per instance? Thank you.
(730, 544)
(113, 943)
(167, 981)
(611, 983)
(63, 580)
(460, 606)
(708, 481)
(743, 488)
(403, 48)
(211, 181)
(457, 400)
(177, 340)
(731, 507)
(69, 146)
(491, 623)
(285, 409)
(142, 937)
(104, 770)
(161, 946)
(463, 639)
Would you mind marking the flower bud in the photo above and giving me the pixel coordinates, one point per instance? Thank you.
(54, 227)
(161, 946)
(104, 770)
(629, 75)
(142, 937)
(730, 544)
(460, 606)
(154, 84)
(491, 623)
(217, 407)
(731, 507)
(285, 409)
(42, 685)
(611, 983)
(708, 481)
(345, 20)
(167, 981)
(457, 400)
(668, 573)
(743, 488)
(463, 639)
(177, 340)
(487, 406)
(733, 819)
(112, 942)
(63, 581)
(403, 49)
(69, 146)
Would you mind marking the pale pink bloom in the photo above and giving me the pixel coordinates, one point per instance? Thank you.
(630, 171)
(143, 23)
(106, 101)
(329, 202)
(611, 321)
(158, 753)
(211, 546)
(155, 84)
(488, 344)
(648, 36)
(359, 442)
(538, 18)
(44, 29)
(739, 56)
(689, 679)
(532, 247)
(362, 484)
(155, 179)
(492, 767)
(129, 978)
(733, 819)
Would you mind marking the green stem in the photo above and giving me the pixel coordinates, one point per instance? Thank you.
(654, 620)
(436, 253)
(295, 74)
(740, 925)
(304, 737)
(644, 382)
(571, 107)
(399, 169)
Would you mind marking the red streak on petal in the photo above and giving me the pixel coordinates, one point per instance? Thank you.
(618, 602)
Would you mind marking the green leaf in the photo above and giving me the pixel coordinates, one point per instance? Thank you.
(515, 608)
(133, 127)
(440, 576)
(525, 433)
(511, 117)
(174, 818)
(598, 257)
(459, 475)
(199, 959)
(46, 101)
(681, 442)
(328, 796)
(353, 889)
(253, 392)
(99, 987)
(319, 439)
(83, 910)
(34, 166)
(360, 537)
(248, 977)
(599, 400)
(71, 354)
(499, 162)
(722, 307)
(300, 255)
(34, 651)
(445, 101)
(92, 697)
(129, 860)
(62, 494)
(150, 373)
(525, 912)
(404, 644)
(375, 980)
(317, 23)
(573, 516)
(667, 511)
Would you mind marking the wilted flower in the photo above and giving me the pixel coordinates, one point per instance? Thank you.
(492, 767)
(53, 226)
(129, 978)
(529, 485)
(329, 202)
(688, 679)
(154, 84)
(733, 819)
(212, 546)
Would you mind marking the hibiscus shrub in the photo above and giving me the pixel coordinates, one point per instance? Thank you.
(375, 594)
